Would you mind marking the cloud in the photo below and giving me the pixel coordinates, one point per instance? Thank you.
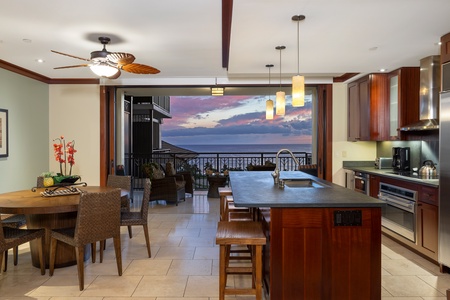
(242, 117)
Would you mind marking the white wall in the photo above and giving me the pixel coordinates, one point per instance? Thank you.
(27, 103)
(343, 150)
(75, 114)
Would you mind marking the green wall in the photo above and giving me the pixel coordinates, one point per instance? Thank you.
(27, 102)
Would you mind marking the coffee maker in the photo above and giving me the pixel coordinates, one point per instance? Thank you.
(401, 159)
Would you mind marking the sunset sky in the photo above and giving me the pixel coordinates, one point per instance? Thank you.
(234, 119)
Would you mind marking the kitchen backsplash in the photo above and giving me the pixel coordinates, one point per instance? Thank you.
(420, 151)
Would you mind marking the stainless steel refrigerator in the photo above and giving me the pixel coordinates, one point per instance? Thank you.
(444, 180)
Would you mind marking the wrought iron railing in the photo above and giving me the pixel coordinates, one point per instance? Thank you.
(199, 163)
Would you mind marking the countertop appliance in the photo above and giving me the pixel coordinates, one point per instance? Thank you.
(399, 214)
(383, 163)
(401, 158)
(361, 183)
(444, 179)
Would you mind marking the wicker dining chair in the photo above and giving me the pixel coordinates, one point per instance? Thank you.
(139, 217)
(13, 237)
(98, 219)
(123, 182)
(14, 221)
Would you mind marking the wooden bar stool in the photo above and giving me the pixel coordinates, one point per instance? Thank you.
(245, 234)
(233, 213)
(223, 192)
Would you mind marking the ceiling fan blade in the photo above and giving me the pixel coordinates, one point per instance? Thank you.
(139, 69)
(120, 58)
(73, 56)
(75, 66)
(115, 76)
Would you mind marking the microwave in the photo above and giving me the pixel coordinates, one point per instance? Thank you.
(445, 77)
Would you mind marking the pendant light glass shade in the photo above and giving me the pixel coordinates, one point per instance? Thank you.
(298, 81)
(281, 103)
(269, 109)
(298, 90)
(281, 96)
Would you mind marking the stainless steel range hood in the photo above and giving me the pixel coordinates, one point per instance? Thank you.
(430, 85)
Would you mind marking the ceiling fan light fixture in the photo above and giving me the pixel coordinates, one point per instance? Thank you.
(104, 70)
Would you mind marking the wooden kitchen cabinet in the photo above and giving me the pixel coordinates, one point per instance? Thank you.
(427, 221)
(445, 48)
(367, 101)
(427, 229)
(403, 95)
(374, 185)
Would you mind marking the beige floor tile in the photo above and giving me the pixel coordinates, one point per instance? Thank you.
(202, 286)
(128, 298)
(170, 241)
(408, 286)
(62, 285)
(107, 267)
(441, 283)
(190, 267)
(117, 286)
(161, 286)
(21, 285)
(184, 232)
(206, 252)
(146, 267)
(175, 253)
(188, 241)
(403, 267)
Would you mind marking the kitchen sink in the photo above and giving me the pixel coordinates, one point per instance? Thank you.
(303, 183)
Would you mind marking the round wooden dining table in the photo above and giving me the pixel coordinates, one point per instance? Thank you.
(49, 213)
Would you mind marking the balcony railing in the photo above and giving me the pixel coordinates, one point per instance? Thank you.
(198, 163)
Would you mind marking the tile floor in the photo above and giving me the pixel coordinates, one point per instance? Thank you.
(184, 264)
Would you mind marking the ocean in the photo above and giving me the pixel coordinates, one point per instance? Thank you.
(248, 148)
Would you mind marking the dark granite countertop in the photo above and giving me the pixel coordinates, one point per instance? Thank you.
(256, 189)
(388, 173)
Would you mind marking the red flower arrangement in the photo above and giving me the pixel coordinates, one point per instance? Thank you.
(64, 153)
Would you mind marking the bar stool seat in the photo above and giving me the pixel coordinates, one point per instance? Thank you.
(240, 233)
(223, 192)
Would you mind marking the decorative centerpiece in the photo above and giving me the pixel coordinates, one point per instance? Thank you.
(64, 153)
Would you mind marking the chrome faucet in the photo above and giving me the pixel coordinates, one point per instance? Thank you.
(276, 172)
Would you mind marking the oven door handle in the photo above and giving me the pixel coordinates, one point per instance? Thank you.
(402, 204)
(362, 178)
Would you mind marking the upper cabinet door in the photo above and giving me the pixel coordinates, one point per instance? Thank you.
(403, 100)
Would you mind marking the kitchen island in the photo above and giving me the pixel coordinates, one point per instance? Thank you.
(324, 241)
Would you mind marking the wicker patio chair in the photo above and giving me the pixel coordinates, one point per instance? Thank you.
(185, 175)
(98, 219)
(168, 188)
(139, 217)
(13, 237)
(14, 221)
(123, 182)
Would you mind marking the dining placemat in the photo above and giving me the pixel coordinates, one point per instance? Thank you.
(63, 192)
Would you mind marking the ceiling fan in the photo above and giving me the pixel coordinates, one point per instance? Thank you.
(108, 64)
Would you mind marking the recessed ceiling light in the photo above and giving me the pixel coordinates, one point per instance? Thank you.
(40, 60)
(383, 70)
(26, 40)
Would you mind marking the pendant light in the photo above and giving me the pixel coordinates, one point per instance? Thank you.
(269, 102)
(298, 81)
(280, 99)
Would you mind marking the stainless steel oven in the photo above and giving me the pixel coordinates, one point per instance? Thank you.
(361, 184)
(399, 213)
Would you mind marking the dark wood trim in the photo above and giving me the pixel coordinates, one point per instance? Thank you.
(325, 131)
(74, 81)
(22, 71)
(30, 74)
(104, 133)
(344, 77)
(227, 13)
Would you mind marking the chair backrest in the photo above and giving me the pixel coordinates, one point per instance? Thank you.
(123, 182)
(98, 217)
(146, 198)
(2, 239)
